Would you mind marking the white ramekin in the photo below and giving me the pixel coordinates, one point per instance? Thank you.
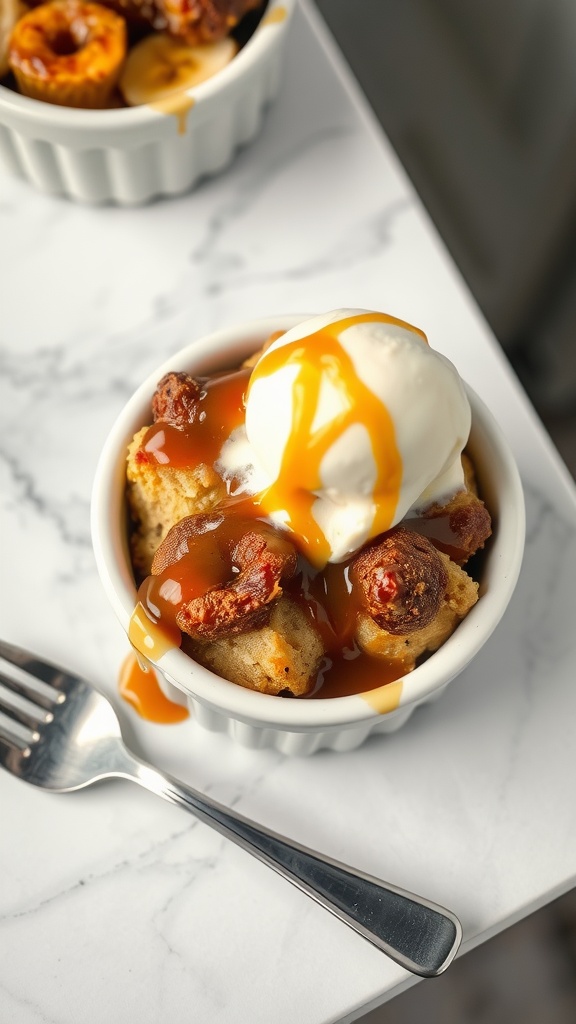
(304, 726)
(131, 155)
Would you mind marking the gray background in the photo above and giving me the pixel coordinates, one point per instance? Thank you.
(479, 101)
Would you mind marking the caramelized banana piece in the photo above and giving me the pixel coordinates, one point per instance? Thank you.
(68, 52)
(161, 66)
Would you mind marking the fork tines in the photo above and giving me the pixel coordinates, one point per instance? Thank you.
(35, 671)
(29, 690)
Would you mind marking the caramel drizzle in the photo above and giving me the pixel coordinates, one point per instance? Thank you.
(319, 356)
(177, 105)
(275, 17)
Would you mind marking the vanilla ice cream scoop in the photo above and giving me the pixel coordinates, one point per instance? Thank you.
(352, 421)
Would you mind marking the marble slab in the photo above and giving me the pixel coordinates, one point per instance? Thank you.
(115, 906)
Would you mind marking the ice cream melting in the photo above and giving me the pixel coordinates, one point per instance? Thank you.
(352, 421)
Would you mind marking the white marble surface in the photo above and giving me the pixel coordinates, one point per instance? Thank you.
(115, 906)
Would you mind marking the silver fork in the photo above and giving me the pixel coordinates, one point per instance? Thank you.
(58, 732)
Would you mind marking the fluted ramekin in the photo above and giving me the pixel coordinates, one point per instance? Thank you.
(304, 726)
(131, 155)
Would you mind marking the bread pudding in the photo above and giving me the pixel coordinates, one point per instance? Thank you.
(291, 535)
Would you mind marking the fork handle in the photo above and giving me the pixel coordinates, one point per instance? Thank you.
(418, 934)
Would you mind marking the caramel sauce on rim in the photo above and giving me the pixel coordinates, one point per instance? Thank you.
(177, 105)
(275, 17)
(325, 591)
(139, 686)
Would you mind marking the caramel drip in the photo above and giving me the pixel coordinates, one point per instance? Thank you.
(385, 698)
(275, 17)
(178, 105)
(318, 357)
(150, 632)
(139, 687)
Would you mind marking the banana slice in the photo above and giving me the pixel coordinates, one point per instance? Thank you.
(10, 11)
(160, 66)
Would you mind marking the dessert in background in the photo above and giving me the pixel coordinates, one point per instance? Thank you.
(117, 52)
(10, 12)
(194, 21)
(161, 66)
(68, 52)
(301, 524)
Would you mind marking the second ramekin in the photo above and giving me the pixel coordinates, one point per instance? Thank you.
(131, 155)
(304, 726)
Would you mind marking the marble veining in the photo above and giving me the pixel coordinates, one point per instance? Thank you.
(114, 905)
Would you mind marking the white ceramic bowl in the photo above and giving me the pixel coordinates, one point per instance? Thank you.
(134, 154)
(303, 726)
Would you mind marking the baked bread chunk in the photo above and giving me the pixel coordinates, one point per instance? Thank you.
(160, 496)
(281, 657)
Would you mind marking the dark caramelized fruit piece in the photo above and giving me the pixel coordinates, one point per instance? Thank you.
(229, 570)
(401, 581)
(176, 399)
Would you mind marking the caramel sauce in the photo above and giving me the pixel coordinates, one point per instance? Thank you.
(353, 671)
(178, 105)
(151, 632)
(139, 687)
(333, 603)
(320, 357)
(220, 411)
(385, 698)
(275, 17)
(328, 598)
(202, 561)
